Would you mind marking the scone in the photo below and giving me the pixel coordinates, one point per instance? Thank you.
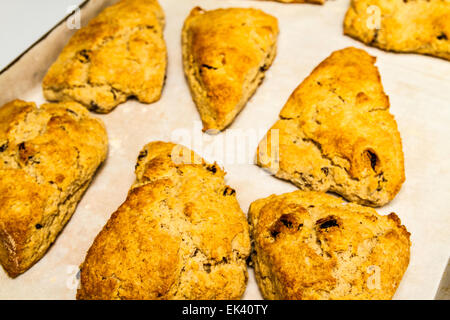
(311, 245)
(336, 134)
(225, 55)
(421, 26)
(179, 235)
(48, 157)
(120, 54)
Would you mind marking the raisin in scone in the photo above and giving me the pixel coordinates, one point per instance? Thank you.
(336, 133)
(120, 54)
(311, 245)
(179, 235)
(420, 26)
(225, 55)
(48, 157)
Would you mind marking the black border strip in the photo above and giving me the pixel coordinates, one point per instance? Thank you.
(11, 64)
(230, 310)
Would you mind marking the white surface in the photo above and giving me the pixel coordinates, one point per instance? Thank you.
(418, 87)
(25, 21)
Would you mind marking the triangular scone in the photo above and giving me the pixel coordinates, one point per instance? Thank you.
(336, 133)
(314, 246)
(421, 26)
(120, 54)
(300, 1)
(225, 55)
(179, 235)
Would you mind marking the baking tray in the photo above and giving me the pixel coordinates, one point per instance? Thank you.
(419, 90)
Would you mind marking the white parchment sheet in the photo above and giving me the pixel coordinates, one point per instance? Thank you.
(419, 91)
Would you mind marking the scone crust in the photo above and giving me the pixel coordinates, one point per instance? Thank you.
(120, 54)
(420, 26)
(311, 245)
(336, 133)
(48, 157)
(179, 235)
(225, 55)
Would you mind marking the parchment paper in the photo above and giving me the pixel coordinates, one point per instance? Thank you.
(419, 90)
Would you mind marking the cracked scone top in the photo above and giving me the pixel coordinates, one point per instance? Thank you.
(311, 245)
(120, 54)
(336, 133)
(179, 235)
(48, 156)
(420, 26)
(225, 55)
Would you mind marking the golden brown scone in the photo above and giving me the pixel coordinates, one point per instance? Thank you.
(48, 157)
(311, 245)
(120, 54)
(421, 26)
(179, 235)
(225, 54)
(336, 133)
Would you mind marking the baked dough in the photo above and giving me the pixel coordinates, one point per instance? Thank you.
(336, 133)
(225, 54)
(421, 26)
(48, 157)
(310, 245)
(120, 54)
(179, 235)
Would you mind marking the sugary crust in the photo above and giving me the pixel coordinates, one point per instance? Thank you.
(120, 54)
(179, 235)
(225, 55)
(336, 133)
(48, 157)
(311, 245)
(421, 26)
